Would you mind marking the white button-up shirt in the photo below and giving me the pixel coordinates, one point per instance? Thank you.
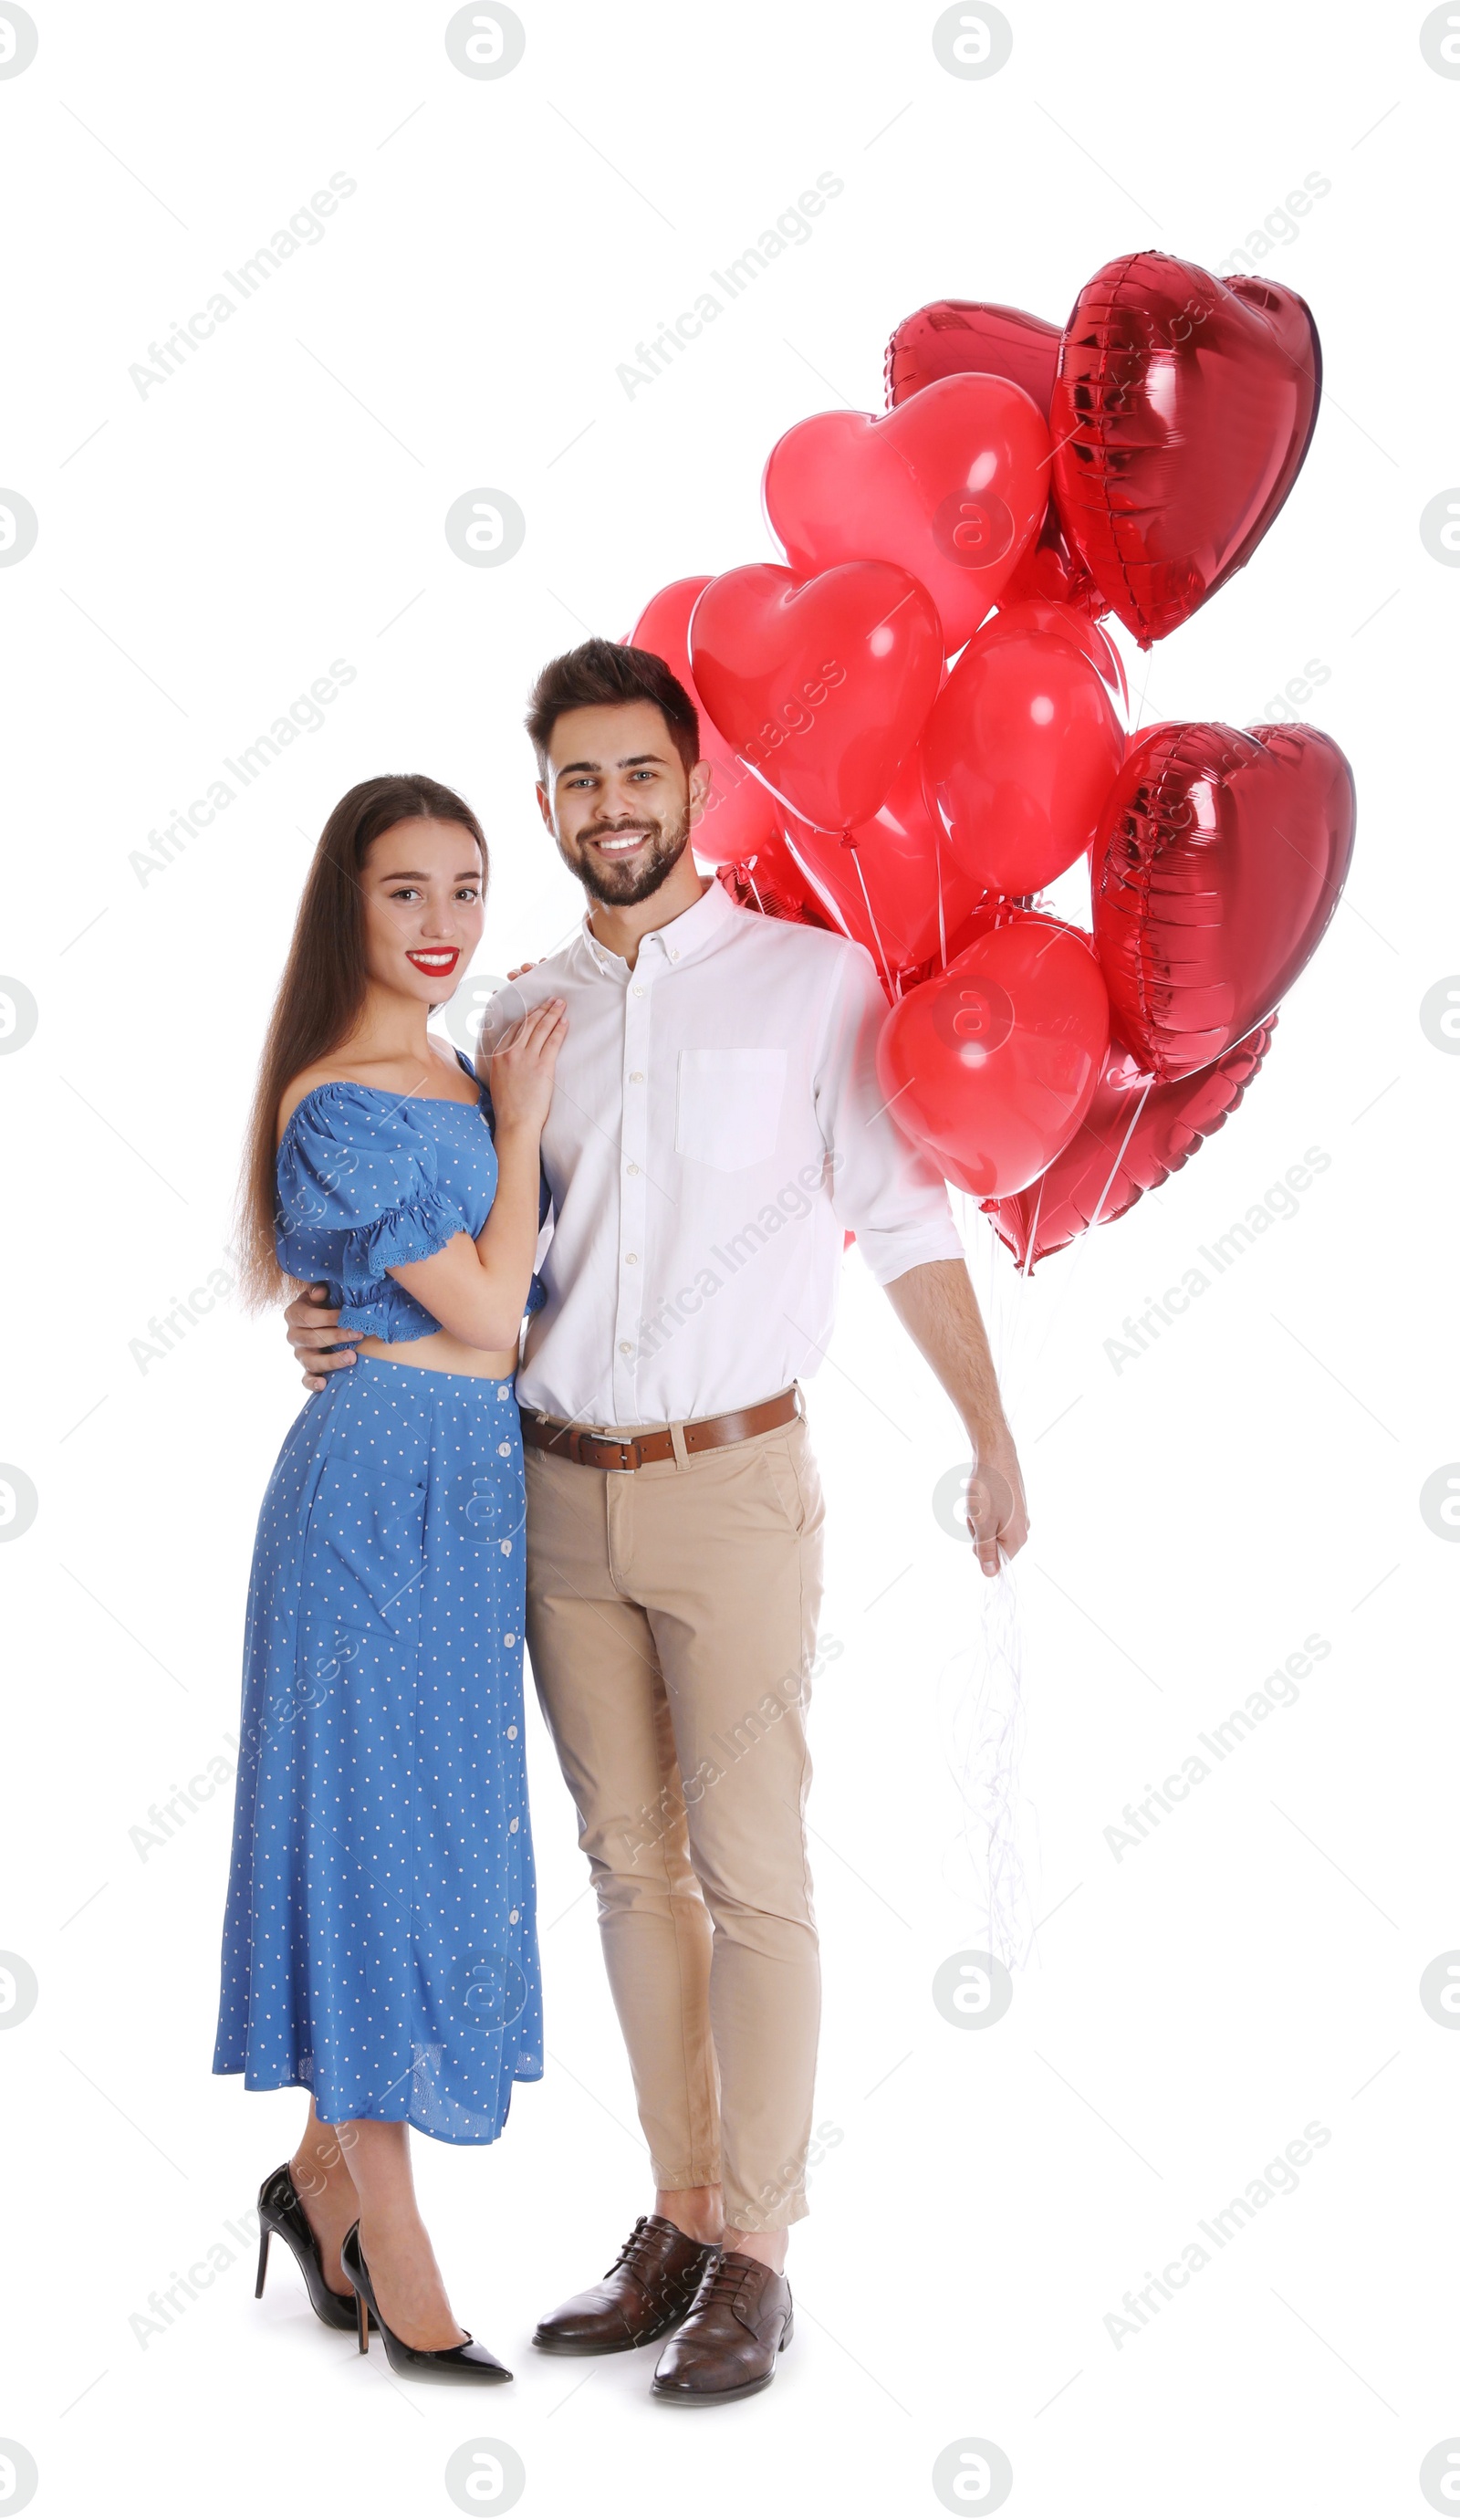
(715, 1123)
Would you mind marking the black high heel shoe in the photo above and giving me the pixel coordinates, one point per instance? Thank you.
(469, 2362)
(279, 2210)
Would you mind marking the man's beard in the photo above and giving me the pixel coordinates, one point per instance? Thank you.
(617, 886)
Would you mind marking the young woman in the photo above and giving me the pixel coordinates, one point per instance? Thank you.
(380, 1948)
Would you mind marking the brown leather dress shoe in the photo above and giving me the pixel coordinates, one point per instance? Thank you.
(727, 2348)
(645, 2292)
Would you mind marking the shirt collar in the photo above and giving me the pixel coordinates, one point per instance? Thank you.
(694, 929)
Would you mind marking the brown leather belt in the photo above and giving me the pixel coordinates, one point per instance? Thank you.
(601, 1452)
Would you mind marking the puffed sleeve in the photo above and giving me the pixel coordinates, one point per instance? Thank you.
(353, 1163)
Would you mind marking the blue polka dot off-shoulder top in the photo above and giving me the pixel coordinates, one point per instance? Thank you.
(368, 1180)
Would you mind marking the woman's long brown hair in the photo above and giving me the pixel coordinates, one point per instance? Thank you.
(323, 990)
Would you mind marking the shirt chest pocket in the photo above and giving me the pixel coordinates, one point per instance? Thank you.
(729, 1109)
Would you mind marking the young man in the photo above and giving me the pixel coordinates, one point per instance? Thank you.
(715, 1123)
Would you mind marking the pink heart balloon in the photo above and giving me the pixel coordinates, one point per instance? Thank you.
(823, 684)
(990, 1066)
(1018, 756)
(953, 487)
(1064, 621)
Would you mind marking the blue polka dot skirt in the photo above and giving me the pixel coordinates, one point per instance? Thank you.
(379, 1946)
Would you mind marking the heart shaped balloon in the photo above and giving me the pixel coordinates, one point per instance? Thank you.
(1181, 414)
(822, 685)
(961, 336)
(953, 488)
(1133, 1137)
(1217, 865)
(990, 1066)
(897, 886)
(1019, 754)
(1065, 621)
(739, 816)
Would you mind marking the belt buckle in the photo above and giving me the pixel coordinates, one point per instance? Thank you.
(617, 1468)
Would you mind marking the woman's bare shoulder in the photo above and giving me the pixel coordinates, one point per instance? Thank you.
(405, 1079)
(308, 1081)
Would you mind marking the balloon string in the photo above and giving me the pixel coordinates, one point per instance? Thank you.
(851, 844)
(1034, 1230)
(829, 900)
(1120, 1159)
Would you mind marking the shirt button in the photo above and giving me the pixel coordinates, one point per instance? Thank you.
(505, 1451)
(512, 1828)
(511, 1640)
(624, 1347)
(633, 1168)
(512, 1731)
(635, 1076)
(511, 1916)
(638, 991)
(673, 952)
(631, 1259)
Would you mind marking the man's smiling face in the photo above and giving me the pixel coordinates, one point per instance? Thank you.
(618, 799)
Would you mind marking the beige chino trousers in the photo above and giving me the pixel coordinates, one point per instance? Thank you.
(671, 1621)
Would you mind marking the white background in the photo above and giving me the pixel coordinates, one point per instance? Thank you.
(204, 553)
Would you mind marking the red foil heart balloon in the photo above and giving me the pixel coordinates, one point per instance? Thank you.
(896, 885)
(1180, 417)
(1217, 865)
(953, 488)
(990, 1066)
(768, 880)
(822, 685)
(961, 336)
(1019, 754)
(958, 337)
(1124, 1146)
(739, 816)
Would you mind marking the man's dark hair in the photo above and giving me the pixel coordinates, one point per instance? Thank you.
(601, 675)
